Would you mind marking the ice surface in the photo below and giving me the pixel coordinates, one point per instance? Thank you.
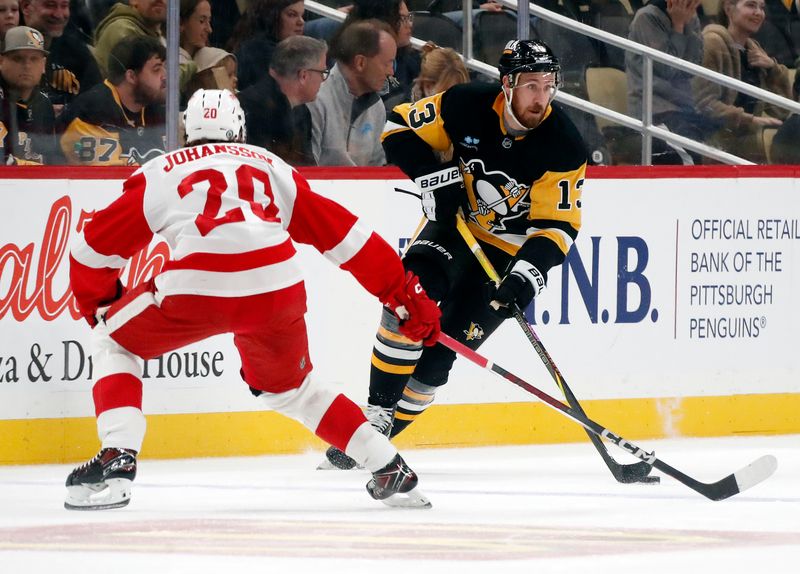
(532, 509)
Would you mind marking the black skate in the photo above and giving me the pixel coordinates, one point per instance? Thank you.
(103, 482)
(381, 419)
(396, 485)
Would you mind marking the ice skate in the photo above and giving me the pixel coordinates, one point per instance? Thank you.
(381, 419)
(102, 483)
(396, 485)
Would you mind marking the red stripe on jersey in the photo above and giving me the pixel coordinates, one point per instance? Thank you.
(115, 391)
(121, 228)
(230, 262)
(339, 422)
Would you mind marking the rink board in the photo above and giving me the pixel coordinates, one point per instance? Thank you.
(675, 315)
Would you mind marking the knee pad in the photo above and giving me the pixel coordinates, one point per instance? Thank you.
(111, 358)
(306, 404)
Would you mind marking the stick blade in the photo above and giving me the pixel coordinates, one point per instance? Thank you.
(756, 472)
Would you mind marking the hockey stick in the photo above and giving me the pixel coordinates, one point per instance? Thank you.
(747, 477)
(625, 473)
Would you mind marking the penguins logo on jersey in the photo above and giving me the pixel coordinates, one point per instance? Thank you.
(474, 332)
(494, 197)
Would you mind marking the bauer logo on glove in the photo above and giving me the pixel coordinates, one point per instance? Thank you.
(517, 289)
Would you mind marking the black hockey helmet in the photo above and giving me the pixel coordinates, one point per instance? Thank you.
(528, 56)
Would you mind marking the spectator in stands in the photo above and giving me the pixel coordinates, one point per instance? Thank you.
(216, 70)
(396, 14)
(782, 38)
(26, 116)
(786, 143)
(9, 17)
(121, 121)
(670, 26)
(729, 48)
(71, 67)
(440, 69)
(275, 111)
(265, 23)
(225, 14)
(348, 115)
(195, 27)
(140, 18)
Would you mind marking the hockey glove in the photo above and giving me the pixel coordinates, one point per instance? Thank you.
(418, 314)
(442, 192)
(517, 289)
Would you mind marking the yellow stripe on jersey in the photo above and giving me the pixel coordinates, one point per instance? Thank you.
(393, 369)
(424, 117)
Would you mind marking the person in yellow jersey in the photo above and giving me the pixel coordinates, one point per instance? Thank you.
(517, 171)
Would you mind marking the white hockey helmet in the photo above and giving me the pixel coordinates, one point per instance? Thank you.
(214, 115)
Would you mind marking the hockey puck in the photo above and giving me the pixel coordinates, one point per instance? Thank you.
(650, 479)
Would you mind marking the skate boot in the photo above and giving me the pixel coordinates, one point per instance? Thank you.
(396, 485)
(381, 419)
(103, 482)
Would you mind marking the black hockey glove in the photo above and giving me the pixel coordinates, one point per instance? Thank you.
(442, 193)
(516, 290)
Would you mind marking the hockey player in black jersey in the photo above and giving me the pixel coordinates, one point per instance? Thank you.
(517, 171)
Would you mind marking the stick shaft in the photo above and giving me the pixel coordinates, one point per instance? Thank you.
(622, 473)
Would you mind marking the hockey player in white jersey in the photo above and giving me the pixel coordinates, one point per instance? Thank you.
(230, 213)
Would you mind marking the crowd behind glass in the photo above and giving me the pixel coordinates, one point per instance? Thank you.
(83, 82)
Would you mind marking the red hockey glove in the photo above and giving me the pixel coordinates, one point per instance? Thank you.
(419, 315)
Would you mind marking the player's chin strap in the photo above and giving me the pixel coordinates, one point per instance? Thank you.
(508, 95)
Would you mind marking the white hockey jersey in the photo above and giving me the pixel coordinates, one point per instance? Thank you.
(229, 213)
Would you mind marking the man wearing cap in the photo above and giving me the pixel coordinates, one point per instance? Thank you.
(275, 106)
(121, 121)
(71, 67)
(26, 114)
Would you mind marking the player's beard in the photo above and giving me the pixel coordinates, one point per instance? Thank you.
(532, 116)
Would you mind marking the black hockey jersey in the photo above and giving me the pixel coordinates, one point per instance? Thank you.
(98, 130)
(519, 190)
(28, 135)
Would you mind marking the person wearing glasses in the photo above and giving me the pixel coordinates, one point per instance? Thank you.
(275, 106)
(348, 116)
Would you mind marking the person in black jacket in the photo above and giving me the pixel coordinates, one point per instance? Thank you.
(277, 116)
(71, 67)
(27, 123)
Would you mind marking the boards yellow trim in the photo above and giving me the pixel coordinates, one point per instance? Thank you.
(37, 441)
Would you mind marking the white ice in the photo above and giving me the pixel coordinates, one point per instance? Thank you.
(531, 509)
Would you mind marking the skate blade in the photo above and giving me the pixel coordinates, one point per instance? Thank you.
(115, 494)
(328, 465)
(411, 499)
